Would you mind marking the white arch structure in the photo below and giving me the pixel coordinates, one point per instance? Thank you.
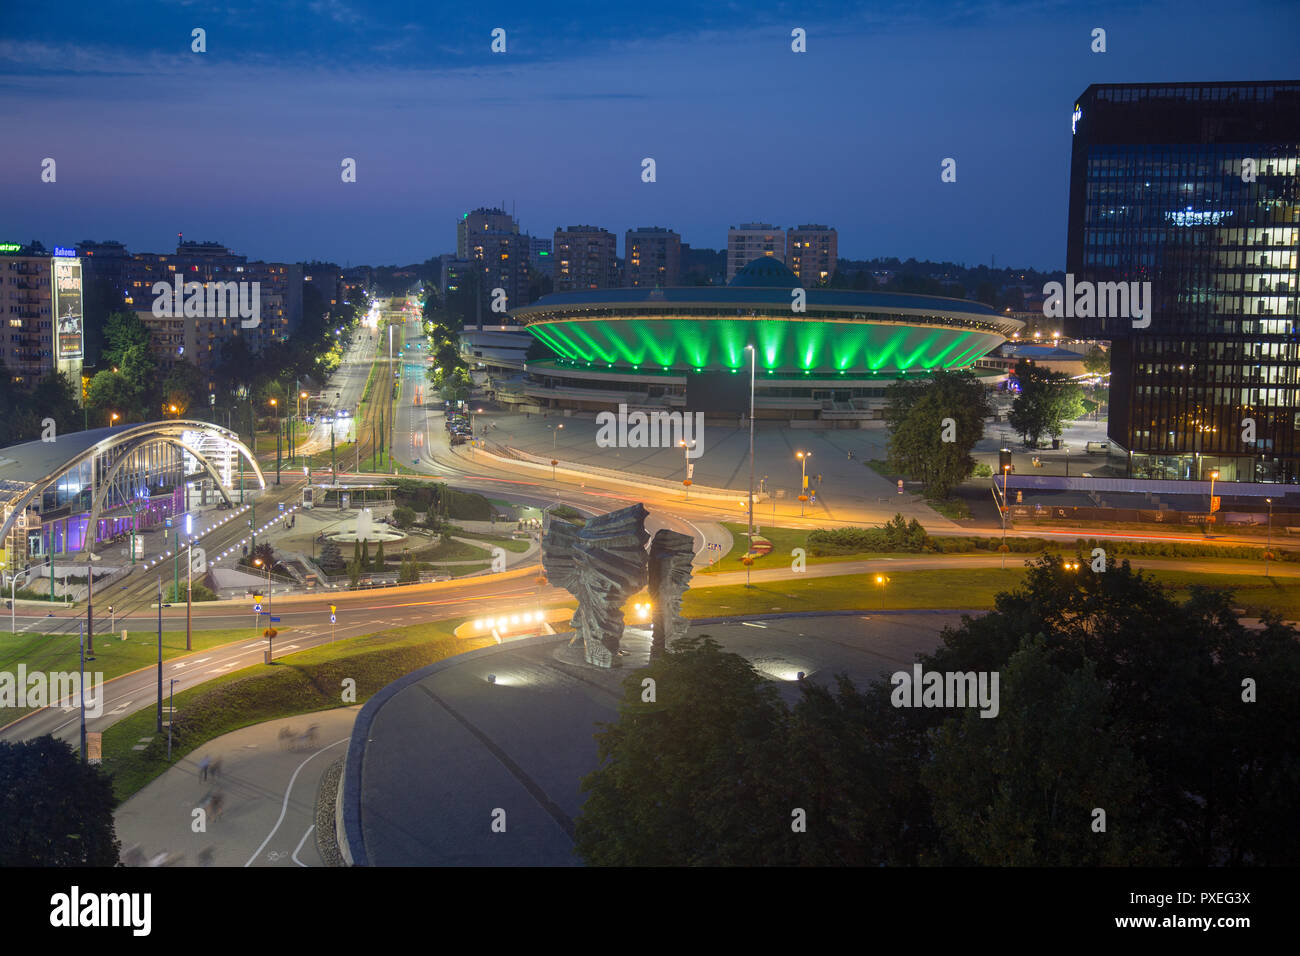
(28, 466)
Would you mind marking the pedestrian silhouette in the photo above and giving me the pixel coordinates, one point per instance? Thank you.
(204, 764)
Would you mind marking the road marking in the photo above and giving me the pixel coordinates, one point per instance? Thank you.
(124, 706)
(202, 659)
(255, 644)
(300, 843)
(751, 624)
(285, 805)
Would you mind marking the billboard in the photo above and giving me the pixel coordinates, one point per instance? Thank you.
(717, 392)
(66, 293)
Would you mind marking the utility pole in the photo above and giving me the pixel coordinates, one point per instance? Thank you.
(83, 694)
(90, 596)
(160, 653)
(189, 595)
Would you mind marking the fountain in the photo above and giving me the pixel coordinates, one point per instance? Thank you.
(365, 529)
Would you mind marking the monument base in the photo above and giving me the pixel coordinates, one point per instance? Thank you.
(634, 651)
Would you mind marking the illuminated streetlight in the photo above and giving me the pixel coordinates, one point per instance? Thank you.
(881, 581)
(803, 471)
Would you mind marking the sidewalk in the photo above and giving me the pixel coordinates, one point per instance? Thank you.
(268, 788)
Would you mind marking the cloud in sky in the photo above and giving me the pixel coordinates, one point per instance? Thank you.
(243, 144)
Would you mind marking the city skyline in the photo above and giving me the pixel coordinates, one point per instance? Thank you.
(151, 139)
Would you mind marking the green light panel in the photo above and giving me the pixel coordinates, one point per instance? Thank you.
(782, 346)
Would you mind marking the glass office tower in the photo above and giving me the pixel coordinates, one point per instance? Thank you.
(1193, 187)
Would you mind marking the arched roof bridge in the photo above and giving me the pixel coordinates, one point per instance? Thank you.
(28, 469)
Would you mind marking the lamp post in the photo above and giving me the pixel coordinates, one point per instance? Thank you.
(753, 360)
(555, 433)
(803, 483)
(1214, 476)
(259, 562)
(13, 612)
(686, 455)
(1268, 538)
(881, 581)
(275, 411)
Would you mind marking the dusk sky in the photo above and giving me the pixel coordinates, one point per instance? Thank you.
(243, 144)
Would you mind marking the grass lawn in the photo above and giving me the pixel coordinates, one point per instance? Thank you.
(300, 683)
(784, 540)
(447, 550)
(517, 545)
(956, 588)
(954, 508)
(113, 656)
(972, 588)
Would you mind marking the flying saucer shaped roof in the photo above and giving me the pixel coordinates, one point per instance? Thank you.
(767, 272)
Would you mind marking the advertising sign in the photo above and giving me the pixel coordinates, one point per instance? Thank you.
(66, 291)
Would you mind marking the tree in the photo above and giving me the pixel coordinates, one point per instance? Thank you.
(403, 517)
(380, 565)
(184, 387)
(122, 331)
(1097, 360)
(1046, 401)
(54, 810)
(934, 425)
(1020, 790)
(331, 558)
(690, 778)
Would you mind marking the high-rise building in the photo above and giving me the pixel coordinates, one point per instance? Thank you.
(1190, 191)
(586, 257)
(539, 255)
(43, 313)
(481, 220)
(212, 266)
(652, 257)
(490, 239)
(811, 252)
(751, 241)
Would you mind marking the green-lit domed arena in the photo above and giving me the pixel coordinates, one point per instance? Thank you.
(852, 342)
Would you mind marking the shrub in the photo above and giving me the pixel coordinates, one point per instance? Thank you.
(403, 517)
(983, 470)
(897, 535)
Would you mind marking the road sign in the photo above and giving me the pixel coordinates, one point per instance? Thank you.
(333, 608)
(257, 608)
(331, 618)
(167, 522)
(275, 620)
(1214, 504)
(281, 505)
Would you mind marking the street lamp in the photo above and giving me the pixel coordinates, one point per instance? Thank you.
(686, 455)
(259, 562)
(275, 410)
(112, 419)
(555, 433)
(1214, 476)
(13, 612)
(881, 581)
(803, 471)
(753, 361)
